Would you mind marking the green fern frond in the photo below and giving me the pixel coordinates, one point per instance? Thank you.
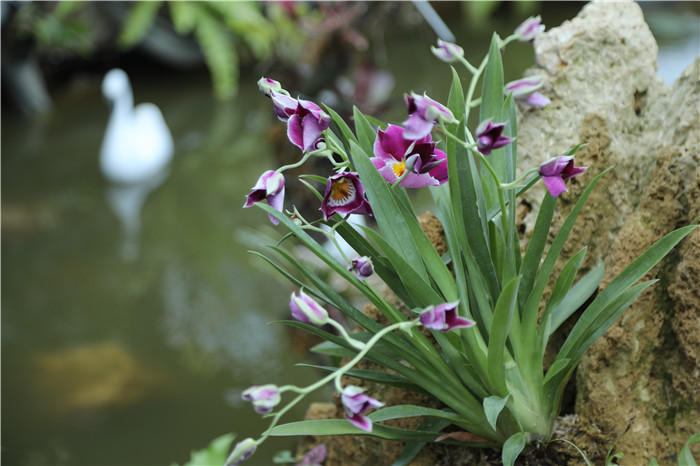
(247, 21)
(220, 54)
(184, 16)
(139, 20)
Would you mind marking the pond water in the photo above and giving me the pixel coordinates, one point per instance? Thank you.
(139, 361)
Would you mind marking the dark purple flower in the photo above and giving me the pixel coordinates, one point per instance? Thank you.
(529, 29)
(447, 51)
(270, 186)
(362, 267)
(307, 123)
(444, 318)
(242, 451)
(556, 171)
(394, 154)
(423, 113)
(284, 105)
(356, 403)
(266, 85)
(524, 91)
(489, 136)
(345, 195)
(305, 309)
(263, 397)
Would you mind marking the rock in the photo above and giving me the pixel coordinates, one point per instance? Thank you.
(600, 71)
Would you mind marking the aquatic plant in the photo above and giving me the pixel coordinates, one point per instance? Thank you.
(478, 322)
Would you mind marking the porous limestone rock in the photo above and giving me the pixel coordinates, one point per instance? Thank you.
(600, 72)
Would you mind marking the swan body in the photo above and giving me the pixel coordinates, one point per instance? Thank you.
(137, 144)
(135, 157)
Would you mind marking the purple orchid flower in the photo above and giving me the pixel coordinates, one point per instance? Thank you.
(263, 397)
(524, 91)
(444, 318)
(267, 85)
(242, 451)
(345, 195)
(307, 123)
(305, 120)
(489, 136)
(315, 456)
(283, 104)
(362, 267)
(423, 113)
(305, 309)
(270, 186)
(556, 171)
(447, 51)
(528, 30)
(356, 403)
(394, 154)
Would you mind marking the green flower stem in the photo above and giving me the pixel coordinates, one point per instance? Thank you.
(306, 225)
(300, 162)
(343, 333)
(330, 144)
(514, 184)
(337, 374)
(467, 65)
(470, 92)
(449, 135)
(501, 199)
(400, 178)
(508, 40)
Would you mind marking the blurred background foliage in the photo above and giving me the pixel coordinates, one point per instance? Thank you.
(226, 33)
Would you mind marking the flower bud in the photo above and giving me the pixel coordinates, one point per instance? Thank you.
(444, 318)
(356, 403)
(529, 29)
(243, 450)
(489, 136)
(263, 397)
(305, 309)
(266, 85)
(362, 267)
(447, 52)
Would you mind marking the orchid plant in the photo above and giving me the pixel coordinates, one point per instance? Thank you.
(482, 302)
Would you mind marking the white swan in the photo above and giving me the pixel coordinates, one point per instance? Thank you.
(135, 156)
(137, 144)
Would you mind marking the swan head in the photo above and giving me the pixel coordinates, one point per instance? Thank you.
(115, 83)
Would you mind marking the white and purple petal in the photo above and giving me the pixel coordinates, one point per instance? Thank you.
(344, 195)
(305, 309)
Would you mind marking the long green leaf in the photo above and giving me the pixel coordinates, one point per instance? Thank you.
(631, 274)
(512, 448)
(374, 376)
(365, 133)
(343, 427)
(685, 457)
(411, 449)
(492, 108)
(535, 247)
(574, 299)
(404, 411)
(502, 314)
(530, 312)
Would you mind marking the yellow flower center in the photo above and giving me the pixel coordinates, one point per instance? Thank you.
(341, 190)
(399, 168)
